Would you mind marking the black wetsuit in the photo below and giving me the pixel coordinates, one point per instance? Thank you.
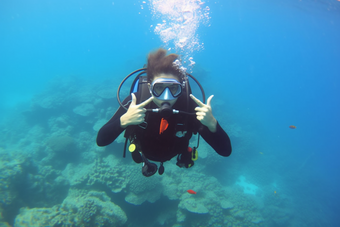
(174, 140)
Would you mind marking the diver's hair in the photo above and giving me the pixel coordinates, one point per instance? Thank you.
(159, 62)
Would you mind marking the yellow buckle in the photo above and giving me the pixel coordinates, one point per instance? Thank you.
(194, 154)
(132, 147)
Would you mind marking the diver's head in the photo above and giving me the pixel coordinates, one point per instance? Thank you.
(165, 78)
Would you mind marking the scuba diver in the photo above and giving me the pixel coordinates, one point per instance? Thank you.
(161, 115)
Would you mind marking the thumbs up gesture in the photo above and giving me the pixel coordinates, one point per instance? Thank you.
(135, 114)
(204, 113)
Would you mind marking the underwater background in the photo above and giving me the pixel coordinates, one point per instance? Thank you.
(270, 65)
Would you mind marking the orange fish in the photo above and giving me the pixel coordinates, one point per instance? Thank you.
(292, 126)
(164, 125)
(191, 191)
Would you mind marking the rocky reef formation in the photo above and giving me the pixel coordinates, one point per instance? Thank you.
(79, 208)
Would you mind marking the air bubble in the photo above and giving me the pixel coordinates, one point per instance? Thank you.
(179, 22)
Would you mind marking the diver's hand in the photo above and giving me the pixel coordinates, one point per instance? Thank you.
(204, 113)
(135, 114)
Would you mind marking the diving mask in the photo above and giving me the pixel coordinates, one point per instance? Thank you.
(166, 89)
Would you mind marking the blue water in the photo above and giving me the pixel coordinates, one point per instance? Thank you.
(270, 64)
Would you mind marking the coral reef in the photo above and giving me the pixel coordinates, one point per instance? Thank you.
(79, 208)
(61, 144)
(84, 110)
(11, 172)
(42, 186)
(142, 188)
(106, 171)
(110, 173)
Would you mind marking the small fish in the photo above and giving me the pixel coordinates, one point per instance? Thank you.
(261, 153)
(292, 126)
(164, 125)
(191, 191)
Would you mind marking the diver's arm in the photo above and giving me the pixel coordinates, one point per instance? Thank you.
(112, 129)
(218, 140)
(207, 125)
